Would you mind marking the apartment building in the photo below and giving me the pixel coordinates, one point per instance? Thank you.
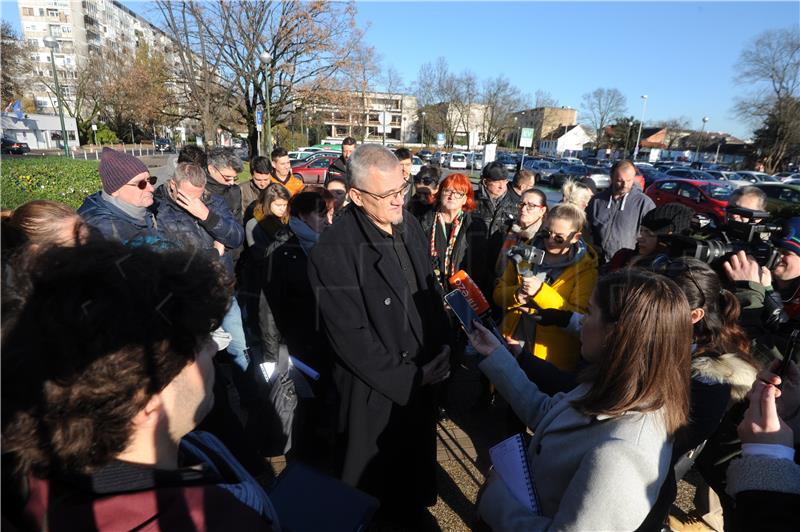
(81, 27)
(358, 115)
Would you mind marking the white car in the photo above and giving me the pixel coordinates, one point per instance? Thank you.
(416, 165)
(756, 177)
(457, 161)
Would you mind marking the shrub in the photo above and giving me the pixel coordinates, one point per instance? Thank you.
(106, 136)
(69, 181)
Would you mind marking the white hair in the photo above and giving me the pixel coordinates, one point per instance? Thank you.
(368, 156)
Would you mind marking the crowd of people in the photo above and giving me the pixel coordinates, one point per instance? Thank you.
(160, 343)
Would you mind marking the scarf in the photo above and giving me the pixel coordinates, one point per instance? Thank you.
(131, 210)
(308, 237)
(448, 267)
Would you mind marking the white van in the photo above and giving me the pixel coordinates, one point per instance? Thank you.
(458, 161)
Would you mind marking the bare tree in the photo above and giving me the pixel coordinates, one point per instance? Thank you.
(501, 99)
(436, 91)
(770, 66)
(676, 129)
(544, 99)
(308, 43)
(392, 81)
(603, 106)
(16, 64)
(199, 72)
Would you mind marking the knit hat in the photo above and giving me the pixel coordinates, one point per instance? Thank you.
(117, 168)
(670, 218)
(590, 184)
(791, 238)
(495, 171)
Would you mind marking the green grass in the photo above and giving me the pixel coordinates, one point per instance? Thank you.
(69, 181)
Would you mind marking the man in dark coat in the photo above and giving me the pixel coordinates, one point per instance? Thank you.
(338, 167)
(497, 207)
(384, 317)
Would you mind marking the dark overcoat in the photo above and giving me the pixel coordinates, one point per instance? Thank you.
(381, 338)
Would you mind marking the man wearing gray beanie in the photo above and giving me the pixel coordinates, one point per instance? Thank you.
(122, 209)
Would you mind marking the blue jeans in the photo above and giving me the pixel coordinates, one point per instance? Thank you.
(232, 324)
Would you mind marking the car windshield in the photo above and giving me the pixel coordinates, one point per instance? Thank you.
(458, 157)
(718, 192)
(416, 161)
(699, 174)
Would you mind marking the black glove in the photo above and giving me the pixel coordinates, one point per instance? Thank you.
(550, 316)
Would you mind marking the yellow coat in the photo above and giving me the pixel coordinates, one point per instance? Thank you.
(570, 291)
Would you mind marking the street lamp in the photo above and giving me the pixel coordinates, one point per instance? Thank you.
(265, 60)
(52, 43)
(641, 121)
(423, 128)
(702, 129)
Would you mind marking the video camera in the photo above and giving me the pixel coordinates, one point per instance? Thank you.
(753, 237)
(524, 253)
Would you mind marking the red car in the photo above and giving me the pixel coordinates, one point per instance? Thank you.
(707, 197)
(313, 172)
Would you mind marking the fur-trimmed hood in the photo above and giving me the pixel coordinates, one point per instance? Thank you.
(726, 369)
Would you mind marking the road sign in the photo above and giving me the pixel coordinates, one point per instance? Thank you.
(440, 139)
(385, 118)
(259, 116)
(94, 127)
(526, 137)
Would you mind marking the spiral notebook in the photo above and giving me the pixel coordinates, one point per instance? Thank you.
(510, 461)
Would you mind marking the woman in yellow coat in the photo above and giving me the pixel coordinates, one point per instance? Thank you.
(563, 278)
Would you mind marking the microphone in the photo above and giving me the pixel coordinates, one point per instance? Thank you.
(462, 282)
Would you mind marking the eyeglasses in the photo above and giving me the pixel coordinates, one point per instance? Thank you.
(141, 185)
(677, 268)
(558, 239)
(226, 176)
(400, 192)
(455, 194)
(425, 181)
(524, 205)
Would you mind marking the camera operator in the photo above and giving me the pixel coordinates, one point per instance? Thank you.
(751, 198)
(770, 298)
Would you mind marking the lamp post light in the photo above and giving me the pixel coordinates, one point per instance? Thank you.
(423, 128)
(641, 121)
(267, 96)
(52, 43)
(702, 129)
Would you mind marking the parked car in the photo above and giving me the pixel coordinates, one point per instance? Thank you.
(600, 175)
(164, 145)
(475, 161)
(416, 165)
(756, 177)
(508, 160)
(730, 177)
(785, 176)
(312, 156)
(571, 160)
(17, 148)
(313, 171)
(783, 199)
(425, 155)
(573, 171)
(438, 158)
(542, 169)
(689, 173)
(457, 161)
(650, 175)
(706, 197)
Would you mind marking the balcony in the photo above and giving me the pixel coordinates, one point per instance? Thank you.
(89, 20)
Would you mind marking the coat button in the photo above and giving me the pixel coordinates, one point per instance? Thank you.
(403, 354)
(387, 301)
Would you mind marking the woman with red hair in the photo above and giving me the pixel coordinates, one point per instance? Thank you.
(456, 237)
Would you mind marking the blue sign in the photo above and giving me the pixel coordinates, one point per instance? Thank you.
(259, 116)
(440, 139)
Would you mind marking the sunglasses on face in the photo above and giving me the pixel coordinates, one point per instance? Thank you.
(558, 239)
(425, 181)
(141, 185)
(674, 269)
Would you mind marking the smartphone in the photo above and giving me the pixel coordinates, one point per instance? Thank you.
(460, 307)
(789, 355)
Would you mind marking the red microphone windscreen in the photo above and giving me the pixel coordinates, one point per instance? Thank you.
(462, 282)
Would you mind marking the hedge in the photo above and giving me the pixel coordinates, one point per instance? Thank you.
(27, 178)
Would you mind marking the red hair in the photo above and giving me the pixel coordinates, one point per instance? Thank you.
(461, 183)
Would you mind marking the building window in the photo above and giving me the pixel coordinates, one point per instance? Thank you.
(27, 11)
(52, 12)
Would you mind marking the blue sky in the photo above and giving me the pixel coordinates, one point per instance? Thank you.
(681, 54)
